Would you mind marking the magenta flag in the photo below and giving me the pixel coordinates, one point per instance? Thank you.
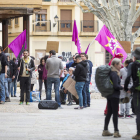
(17, 44)
(108, 41)
(87, 49)
(75, 37)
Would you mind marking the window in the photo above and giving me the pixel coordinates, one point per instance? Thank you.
(9, 23)
(16, 21)
(88, 22)
(66, 21)
(41, 16)
(108, 57)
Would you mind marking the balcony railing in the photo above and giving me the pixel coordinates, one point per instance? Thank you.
(64, 0)
(46, 0)
(65, 25)
(42, 26)
(136, 26)
(138, 1)
(89, 26)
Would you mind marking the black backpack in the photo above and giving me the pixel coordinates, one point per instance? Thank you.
(48, 104)
(103, 82)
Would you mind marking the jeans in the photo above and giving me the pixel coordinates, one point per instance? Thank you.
(112, 107)
(125, 108)
(25, 85)
(40, 86)
(2, 89)
(14, 85)
(86, 94)
(7, 85)
(136, 102)
(79, 87)
(56, 82)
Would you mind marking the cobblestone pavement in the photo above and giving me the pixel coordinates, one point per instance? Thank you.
(30, 123)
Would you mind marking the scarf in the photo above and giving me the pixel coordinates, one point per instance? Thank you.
(114, 69)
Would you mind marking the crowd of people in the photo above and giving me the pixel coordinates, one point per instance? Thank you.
(53, 71)
(126, 84)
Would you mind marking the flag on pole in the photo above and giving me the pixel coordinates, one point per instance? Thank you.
(75, 38)
(87, 49)
(108, 41)
(17, 44)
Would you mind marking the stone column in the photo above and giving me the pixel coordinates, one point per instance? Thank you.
(5, 35)
(26, 26)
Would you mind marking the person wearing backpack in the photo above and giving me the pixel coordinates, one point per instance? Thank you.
(134, 72)
(124, 96)
(113, 99)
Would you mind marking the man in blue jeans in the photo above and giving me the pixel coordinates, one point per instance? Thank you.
(80, 74)
(3, 75)
(53, 66)
(86, 93)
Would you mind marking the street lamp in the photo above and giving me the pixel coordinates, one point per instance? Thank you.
(56, 20)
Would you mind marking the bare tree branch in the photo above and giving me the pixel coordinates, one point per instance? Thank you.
(137, 14)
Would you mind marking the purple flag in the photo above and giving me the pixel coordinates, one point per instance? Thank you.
(75, 37)
(108, 41)
(17, 44)
(87, 49)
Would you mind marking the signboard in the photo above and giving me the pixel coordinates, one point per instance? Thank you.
(52, 45)
(126, 45)
(70, 86)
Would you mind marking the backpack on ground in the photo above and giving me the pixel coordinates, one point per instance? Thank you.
(103, 82)
(48, 104)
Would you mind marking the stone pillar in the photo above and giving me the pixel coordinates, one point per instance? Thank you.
(26, 26)
(5, 35)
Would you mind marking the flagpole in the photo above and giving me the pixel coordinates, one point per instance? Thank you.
(5, 48)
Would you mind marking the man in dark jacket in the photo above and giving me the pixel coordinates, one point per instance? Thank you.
(25, 66)
(11, 72)
(134, 72)
(80, 78)
(3, 75)
(86, 93)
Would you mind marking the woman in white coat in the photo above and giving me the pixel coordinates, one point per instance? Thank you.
(125, 107)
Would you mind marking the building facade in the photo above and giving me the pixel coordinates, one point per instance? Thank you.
(46, 33)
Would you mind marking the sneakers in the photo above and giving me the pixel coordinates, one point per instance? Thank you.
(137, 137)
(2, 102)
(129, 117)
(106, 133)
(116, 134)
(27, 103)
(79, 108)
(121, 116)
(21, 103)
(7, 100)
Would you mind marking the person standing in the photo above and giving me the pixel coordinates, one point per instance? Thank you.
(34, 77)
(3, 75)
(11, 72)
(14, 81)
(25, 66)
(42, 75)
(53, 65)
(125, 107)
(113, 99)
(134, 72)
(80, 74)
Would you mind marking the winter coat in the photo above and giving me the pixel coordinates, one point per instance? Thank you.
(90, 74)
(123, 74)
(116, 85)
(80, 72)
(40, 71)
(34, 78)
(44, 76)
(31, 66)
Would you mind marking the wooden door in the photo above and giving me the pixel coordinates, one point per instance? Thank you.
(88, 22)
(136, 25)
(66, 21)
